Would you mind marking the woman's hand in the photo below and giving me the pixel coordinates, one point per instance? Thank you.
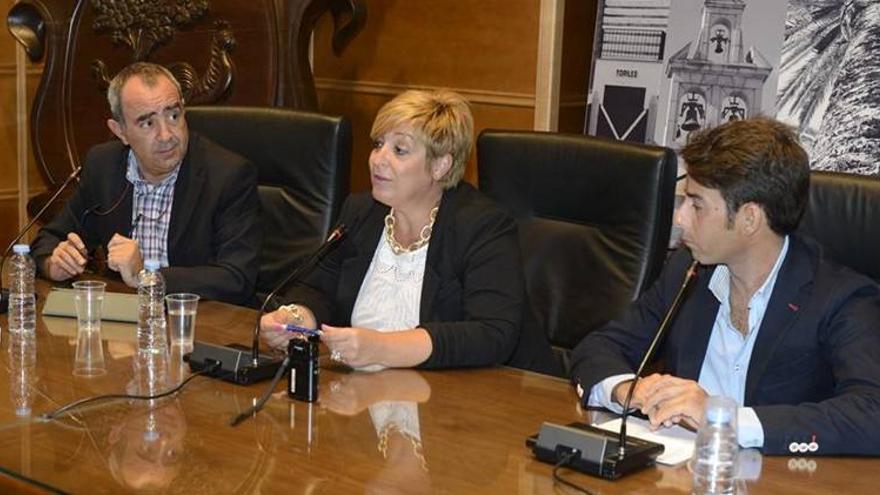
(359, 347)
(353, 346)
(272, 331)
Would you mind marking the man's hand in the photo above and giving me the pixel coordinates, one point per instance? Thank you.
(638, 398)
(68, 258)
(670, 400)
(124, 256)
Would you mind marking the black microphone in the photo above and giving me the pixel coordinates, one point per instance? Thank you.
(335, 236)
(4, 293)
(588, 448)
(667, 320)
(235, 365)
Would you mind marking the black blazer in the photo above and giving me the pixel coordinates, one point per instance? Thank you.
(214, 237)
(815, 367)
(473, 292)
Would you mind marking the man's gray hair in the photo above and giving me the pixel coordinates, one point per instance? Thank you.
(148, 72)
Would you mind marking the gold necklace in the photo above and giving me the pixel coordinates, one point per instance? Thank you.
(416, 443)
(424, 234)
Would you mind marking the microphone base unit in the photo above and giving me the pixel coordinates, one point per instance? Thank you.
(236, 363)
(595, 450)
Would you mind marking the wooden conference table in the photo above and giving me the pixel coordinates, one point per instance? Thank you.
(395, 431)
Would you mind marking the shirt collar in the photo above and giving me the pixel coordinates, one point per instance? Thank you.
(133, 173)
(719, 284)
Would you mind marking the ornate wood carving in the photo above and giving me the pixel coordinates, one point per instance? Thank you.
(143, 26)
(197, 90)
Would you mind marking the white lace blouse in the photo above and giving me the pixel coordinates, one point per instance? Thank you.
(390, 295)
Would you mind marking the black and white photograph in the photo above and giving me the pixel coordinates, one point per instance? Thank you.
(830, 82)
(664, 69)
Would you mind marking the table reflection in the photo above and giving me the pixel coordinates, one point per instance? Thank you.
(350, 394)
(394, 431)
(22, 361)
(391, 398)
(145, 449)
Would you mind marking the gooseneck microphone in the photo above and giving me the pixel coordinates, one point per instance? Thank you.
(335, 236)
(243, 365)
(590, 449)
(4, 293)
(670, 314)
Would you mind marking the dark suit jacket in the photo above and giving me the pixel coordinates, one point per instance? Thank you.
(214, 237)
(473, 292)
(815, 367)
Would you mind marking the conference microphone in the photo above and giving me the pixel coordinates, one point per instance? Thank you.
(667, 320)
(590, 449)
(243, 365)
(4, 293)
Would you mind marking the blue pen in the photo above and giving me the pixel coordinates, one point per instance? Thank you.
(298, 329)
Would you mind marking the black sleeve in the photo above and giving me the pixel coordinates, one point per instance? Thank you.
(492, 296)
(318, 288)
(236, 241)
(67, 220)
(618, 347)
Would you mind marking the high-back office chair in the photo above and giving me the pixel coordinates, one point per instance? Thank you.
(843, 214)
(303, 162)
(594, 219)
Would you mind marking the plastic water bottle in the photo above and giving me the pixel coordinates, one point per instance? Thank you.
(151, 330)
(22, 303)
(716, 448)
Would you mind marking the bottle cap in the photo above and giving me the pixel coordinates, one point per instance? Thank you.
(21, 249)
(152, 265)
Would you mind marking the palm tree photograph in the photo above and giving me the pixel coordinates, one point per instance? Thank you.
(830, 82)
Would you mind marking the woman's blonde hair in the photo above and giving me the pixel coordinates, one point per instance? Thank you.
(440, 119)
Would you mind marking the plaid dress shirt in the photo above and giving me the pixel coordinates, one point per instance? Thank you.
(151, 212)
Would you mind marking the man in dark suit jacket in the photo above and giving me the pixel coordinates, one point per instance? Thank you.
(157, 193)
(792, 337)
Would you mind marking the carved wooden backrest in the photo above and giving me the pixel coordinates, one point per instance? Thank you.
(235, 52)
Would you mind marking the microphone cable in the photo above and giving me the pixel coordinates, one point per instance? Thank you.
(254, 409)
(564, 459)
(79, 403)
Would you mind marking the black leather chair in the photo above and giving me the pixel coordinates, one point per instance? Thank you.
(843, 214)
(303, 162)
(594, 219)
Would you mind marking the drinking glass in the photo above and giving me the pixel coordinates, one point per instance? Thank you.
(89, 300)
(182, 318)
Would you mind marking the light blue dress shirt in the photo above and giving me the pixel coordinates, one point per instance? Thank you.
(727, 356)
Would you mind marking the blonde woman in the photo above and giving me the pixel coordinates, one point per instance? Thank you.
(429, 274)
